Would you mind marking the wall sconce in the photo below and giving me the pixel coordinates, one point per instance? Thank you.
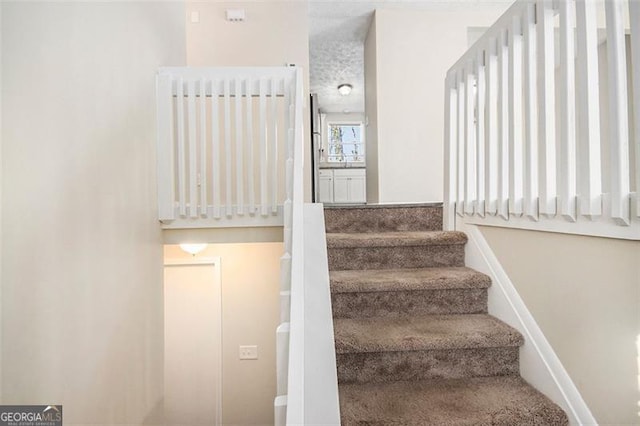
(193, 249)
(345, 89)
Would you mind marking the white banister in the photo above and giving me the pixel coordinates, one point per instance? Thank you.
(470, 143)
(227, 147)
(460, 86)
(523, 116)
(216, 151)
(503, 125)
(546, 108)
(515, 117)
(239, 147)
(567, 167)
(166, 182)
(193, 160)
(263, 149)
(618, 118)
(249, 139)
(182, 166)
(491, 129)
(274, 147)
(530, 177)
(202, 175)
(590, 183)
(480, 133)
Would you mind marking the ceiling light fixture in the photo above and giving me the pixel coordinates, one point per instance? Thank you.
(193, 249)
(345, 89)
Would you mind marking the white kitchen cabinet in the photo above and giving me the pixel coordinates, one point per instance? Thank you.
(325, 186)
(347, 186)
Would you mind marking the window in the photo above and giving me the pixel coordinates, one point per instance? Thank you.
(345, 143)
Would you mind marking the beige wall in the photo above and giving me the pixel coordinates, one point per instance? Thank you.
(584, 293)
(82, 255)
(371, 111)
(414, 49)
(250, 314)
(273, 34)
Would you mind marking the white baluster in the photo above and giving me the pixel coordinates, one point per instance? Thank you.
(461, 149)
(503, 126)
(450, 155)
(530, 115)
(249, 138)
(239, 148)
(567, 167)
(546, 108)
(227, 147)
(215, 149)
(491, 129)
(193, 157)
(182, 166)
(516, 164)
(618, 114)
(590, 183)
(274, 145)
(203, 147)
(480, 133)
(263, 150)
(470, 142)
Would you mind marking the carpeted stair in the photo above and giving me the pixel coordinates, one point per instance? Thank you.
(414, 342)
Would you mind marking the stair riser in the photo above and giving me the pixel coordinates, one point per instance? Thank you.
(395, 257)
(422, 365)
(354, 220)
(399, 303)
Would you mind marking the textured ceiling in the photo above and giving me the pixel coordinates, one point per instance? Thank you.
(336, 45)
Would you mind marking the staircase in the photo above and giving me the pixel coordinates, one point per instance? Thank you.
(414, 342)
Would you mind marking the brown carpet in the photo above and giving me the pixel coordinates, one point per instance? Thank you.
(414, 342)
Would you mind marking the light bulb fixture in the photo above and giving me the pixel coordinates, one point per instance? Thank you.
(345, 89)
(193, 249)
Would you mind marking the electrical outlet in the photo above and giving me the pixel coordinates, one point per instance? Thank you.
(249, 352)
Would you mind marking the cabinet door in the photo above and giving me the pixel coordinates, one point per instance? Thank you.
(357, 189)
(341, 189)
(326, 189)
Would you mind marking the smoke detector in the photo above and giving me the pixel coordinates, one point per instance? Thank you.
(235, 15)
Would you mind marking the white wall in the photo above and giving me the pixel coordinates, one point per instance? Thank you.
(584, 293)
(414, 49)
(250, 277)
(273, 34)
(82, 254)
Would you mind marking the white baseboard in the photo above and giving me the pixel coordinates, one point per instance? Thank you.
(539, 365)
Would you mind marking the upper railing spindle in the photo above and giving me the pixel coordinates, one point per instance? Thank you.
(470, 145)
(530, 190)
(546, 107)
(263, 149)
(203, 147)
(567, 166)
(588, 104)
(193, 159)
(491, 129)
(450, 147)
(503, 125)
(516, 164)
(249, 141)
(216, 151)
(227, 147)
(182, 166)
(618, 118)
(274, 145)
(239, 147)
(480, 133)
(460, 151)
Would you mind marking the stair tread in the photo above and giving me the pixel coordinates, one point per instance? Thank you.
(427, 332)
(502, 400)
(414, 279)
(395, 239)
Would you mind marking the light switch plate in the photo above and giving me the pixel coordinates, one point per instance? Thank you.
(248, 352)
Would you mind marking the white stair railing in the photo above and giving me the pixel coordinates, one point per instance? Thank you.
(524, 146)
(224, 135)
(230, 153)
